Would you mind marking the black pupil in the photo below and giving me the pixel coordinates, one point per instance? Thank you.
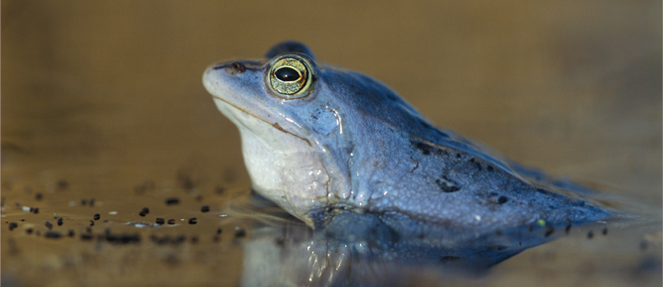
(287, 74)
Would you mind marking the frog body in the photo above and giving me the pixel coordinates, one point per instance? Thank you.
(320, 140)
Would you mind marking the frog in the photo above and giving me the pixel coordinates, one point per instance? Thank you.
(320, 140)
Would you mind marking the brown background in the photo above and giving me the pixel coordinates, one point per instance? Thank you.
(108, 94)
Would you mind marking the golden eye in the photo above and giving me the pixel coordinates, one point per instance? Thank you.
(290, 77)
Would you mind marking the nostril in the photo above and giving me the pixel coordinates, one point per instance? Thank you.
(239, 67)
(232, 68)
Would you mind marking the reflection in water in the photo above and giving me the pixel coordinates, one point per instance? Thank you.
(109, 105)
(361, 250)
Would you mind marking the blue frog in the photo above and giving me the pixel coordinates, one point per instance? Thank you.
(320, 140)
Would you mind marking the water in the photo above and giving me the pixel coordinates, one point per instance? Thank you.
(105, 102)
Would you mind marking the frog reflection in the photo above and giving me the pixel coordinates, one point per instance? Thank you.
(359, 250)
(322, 142)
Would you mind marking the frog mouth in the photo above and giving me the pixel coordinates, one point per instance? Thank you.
(275, 125)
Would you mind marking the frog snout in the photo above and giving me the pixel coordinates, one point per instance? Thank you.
(231, 68)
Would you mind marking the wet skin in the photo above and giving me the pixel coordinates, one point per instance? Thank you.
(320, 140)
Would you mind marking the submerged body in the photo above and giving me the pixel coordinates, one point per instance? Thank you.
(320, 140)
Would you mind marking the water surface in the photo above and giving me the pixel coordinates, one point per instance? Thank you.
(104, 101)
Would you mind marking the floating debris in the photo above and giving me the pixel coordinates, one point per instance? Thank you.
(144, 211)
(171, 221)
(87, 202)
(53, 234)
(12, 225)
(96, 216)
(121, 238)
(60, 221)
(160, 220)
(193, 220)
(172, 201)
(204, 208)
(62, 184)
(49, 225)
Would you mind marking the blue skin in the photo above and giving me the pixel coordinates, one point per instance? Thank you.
(350, 144)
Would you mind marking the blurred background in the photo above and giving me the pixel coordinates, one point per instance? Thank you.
(107, 95)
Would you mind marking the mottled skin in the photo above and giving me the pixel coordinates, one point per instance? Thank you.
(352, 145)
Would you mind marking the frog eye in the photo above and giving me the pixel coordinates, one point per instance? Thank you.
(290, 77)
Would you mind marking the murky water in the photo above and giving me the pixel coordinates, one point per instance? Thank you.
(103, 111)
